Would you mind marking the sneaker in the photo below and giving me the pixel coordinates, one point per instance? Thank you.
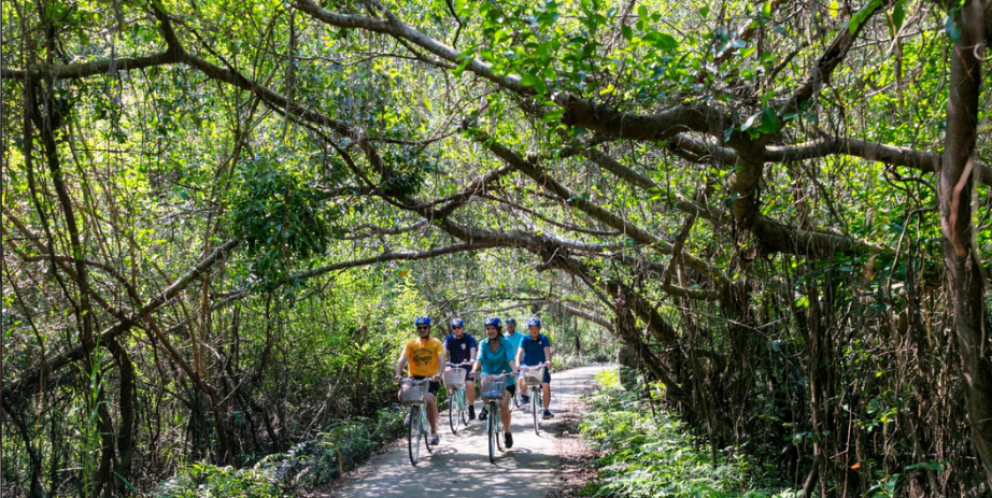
(509, 440)
(548, 414)
(471, 413)
(524, 399)
(406, 421)
(435, 439)
(482, 414)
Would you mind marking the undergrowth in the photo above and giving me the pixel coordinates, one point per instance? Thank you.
(336, 450)
(650, 453)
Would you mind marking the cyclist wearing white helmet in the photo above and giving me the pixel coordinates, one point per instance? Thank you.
(535, 349)
(425, 355)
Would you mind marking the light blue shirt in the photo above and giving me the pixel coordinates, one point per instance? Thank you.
(514, 340)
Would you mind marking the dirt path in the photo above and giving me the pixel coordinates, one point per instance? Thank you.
(460, 465)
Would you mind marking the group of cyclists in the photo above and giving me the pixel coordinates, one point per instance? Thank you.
(500, 352)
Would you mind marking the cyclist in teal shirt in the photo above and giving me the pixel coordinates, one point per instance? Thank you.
(497, 356)
(513, 337)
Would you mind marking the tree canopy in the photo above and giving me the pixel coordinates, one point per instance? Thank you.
(214, 210)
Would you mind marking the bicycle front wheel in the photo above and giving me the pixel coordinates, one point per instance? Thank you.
(413, 435)
(499, 430)
(425, 428)
(453, 418)
(533, 409)
(493, 433)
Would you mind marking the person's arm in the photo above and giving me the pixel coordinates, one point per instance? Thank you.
(440, 365)
(399, 366)
(478, 362)
(520, 353)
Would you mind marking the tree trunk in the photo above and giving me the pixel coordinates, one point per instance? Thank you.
(966, 286)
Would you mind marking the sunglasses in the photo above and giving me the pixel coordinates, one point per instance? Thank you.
(458, 327)
(423, 328)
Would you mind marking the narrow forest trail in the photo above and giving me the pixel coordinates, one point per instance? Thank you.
(460, 465)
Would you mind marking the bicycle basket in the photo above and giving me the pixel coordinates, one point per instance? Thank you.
(534, 376)
(413, 393)
(492, 386)
(454, 377)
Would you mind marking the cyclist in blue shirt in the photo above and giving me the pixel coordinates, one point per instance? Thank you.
(535, 349)
(496, 357)
(462, 347)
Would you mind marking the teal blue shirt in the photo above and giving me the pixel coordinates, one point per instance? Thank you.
(514, 341)
(496, 362)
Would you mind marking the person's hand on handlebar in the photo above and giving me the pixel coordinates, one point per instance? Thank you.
(397, 377)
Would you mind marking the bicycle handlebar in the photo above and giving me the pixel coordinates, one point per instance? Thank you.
(462, 364)
(415, 382)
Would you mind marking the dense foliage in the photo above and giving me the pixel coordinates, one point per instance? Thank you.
(650, 453)
(219, 218)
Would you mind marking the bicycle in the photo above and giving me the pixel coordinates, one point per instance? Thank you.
(413, 393)
(493, 389)
(533, 378)
(454, 381)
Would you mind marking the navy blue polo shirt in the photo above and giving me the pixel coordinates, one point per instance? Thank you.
(534, 350)
(460, 349)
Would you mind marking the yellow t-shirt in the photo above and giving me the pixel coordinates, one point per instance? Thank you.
(424, 356)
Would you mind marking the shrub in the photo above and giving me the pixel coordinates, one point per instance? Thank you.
(337, 449)
(650, 455)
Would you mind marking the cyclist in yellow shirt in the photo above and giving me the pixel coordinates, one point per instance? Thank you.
(425, 355)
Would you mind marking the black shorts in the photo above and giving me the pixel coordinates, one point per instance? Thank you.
(433, 387)
(511, 388)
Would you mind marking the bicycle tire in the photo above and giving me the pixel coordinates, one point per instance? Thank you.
(454, 406)
(533, 409)
(425, 429)
(413, 435)
(499, 431)
(492, 433)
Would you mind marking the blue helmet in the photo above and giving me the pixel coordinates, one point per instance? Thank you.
(423, 320)
(511, 320)
(457, 322)
(493, 320)
(534, 322)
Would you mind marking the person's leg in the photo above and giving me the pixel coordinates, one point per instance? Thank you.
(504, 412)
(547, 395)
(470, 388)
(504, 415)
(432, 412)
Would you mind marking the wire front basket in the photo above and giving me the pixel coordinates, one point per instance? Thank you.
(413, 392)
(492, 386)
(455, 377)
(534, 376)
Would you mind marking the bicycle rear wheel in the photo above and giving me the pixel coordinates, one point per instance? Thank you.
(463, 408)
(493, 435)
(413, 435)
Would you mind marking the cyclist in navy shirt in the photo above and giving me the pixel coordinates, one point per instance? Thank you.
(535, 348)
(461, 347)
